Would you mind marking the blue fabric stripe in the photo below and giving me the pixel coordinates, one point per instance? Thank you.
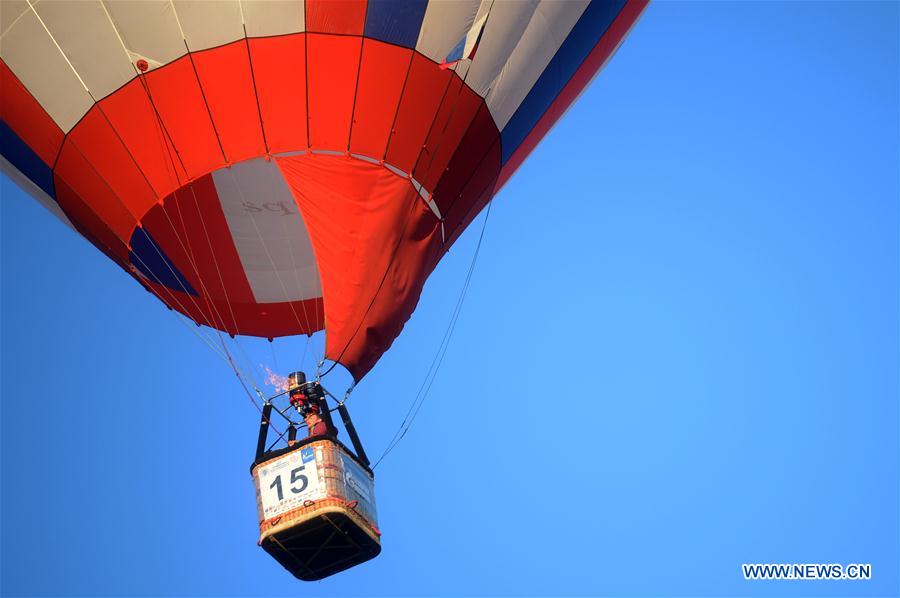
(23, 157)
(456, 53)
(587, 32)
(395, 21)
(148, 257)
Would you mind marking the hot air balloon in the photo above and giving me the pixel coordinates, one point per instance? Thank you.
(272, 168)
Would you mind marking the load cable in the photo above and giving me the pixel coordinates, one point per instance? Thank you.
(431, 374)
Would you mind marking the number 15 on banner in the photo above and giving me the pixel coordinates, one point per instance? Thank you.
(288, 488)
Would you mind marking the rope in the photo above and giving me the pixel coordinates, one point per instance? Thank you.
(432, 372)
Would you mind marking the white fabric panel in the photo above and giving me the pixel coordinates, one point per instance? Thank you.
(474, 35)
(209, 23)
(549, 27)
(426, 197)
(88, 40)
(444, 24)
(268, 232)
(148, 28)
(274, 17)
(33, 190)
(368, 159)
(506, 23)
(29, 52)
(481, 16)
(10, 11)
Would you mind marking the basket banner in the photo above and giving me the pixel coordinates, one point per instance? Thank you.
(285, 484)
(360, 487)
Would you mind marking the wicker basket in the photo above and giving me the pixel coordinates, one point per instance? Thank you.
(316, 506)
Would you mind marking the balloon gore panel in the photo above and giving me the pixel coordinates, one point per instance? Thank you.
(297, 180)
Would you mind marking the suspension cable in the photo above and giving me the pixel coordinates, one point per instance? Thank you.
(432, 372)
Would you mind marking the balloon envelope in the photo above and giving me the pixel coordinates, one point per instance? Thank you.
(277, 168)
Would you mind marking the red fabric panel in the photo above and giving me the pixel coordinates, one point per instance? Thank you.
(456, 114)
(472, 153)
(88, 223)
(268, 320)
(87, 199)
(595, 60)
(176, 94)
(333, 64)
(191, 230)
(279, 65)
(99, 144)
(336, 16)
(465, 219)
(360, 216)
(425, 87)
(27, 118)
(182, 245)
(418, 251)
(227, 83)
(164, 226)
(200, 213)
(381, 76)
(272, 320)
(132, 116)
(477, 192)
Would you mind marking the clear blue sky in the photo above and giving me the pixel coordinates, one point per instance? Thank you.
(679, 353)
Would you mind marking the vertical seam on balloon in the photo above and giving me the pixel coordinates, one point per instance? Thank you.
(128, 151)
(189, 254)
(137, 72)
(462, 189)
(145, 85)
(449, 118)
(308, 136)
(191, 261)
(437, 185)
(458, 95)
(82, 230)
(166, 138)
(190, 184)
(189, 249)
(306, 75)
(74, 145)
(52, 167)
(205, 102)
(362, 44)
(262, 127)
(58, 153)
(390, 138)
(412, 171)
(492, 181)
(212, 252)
